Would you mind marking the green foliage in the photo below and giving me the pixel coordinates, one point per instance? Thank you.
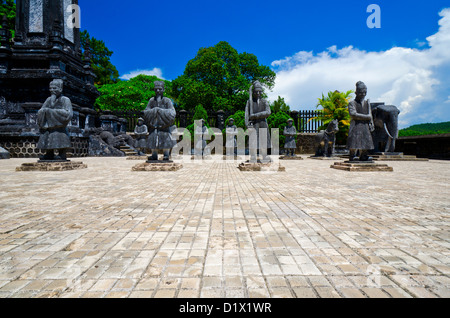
(132, 94)
(219, 77)
(199, 114)
(335, 106)
(8, 9)
(239, 119)
(280, 105)
(426, 129)
(101, 65)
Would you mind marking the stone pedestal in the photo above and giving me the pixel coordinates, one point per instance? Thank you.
(261, 166)
(295, 157)
(395, 156)
(157, 166)
(51, 166)
(361, 166)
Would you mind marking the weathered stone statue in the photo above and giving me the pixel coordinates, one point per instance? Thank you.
(290, 133)
(52, 119)
(231, 132)
(361, 126)
(160, 117)
(257, 110)
(385, 118)
(326, 140)
(201, 134)
(141, 132)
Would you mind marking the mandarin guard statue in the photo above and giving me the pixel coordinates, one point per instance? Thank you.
(361, 126)
(257, 110)
(141, 132)
(160, 117)
(290, 132)
(53, 118)
(231, 132)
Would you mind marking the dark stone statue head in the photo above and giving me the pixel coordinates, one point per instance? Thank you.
(159, 88)
(290, 122)
(257, 90)
(56, 87)
(361, 91)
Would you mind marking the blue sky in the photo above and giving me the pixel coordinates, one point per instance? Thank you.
(314, 47)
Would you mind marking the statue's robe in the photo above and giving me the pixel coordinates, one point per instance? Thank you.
(160, 117)
(290, 133)
(52, 119)
(359, 135)
(256, 114)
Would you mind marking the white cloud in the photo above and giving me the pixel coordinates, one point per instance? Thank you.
(415, 80)
(155, 72)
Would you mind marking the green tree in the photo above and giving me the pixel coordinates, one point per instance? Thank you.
(335, 106)
(219, 77)
(280, 105)
(8, 9)
(101, 64)
(132, 94)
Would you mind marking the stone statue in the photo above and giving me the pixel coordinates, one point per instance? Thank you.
(385, 118)
(160, 117)
(231, 132)
(52, 119)
(361, 125)
(290, 133)
(257, 110)
(326, 140)
(201, 134)
(141, 132)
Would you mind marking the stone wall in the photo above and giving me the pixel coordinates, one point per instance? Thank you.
(306, 143)
(429, 146)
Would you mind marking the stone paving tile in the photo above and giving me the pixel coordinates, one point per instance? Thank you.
(210, 230)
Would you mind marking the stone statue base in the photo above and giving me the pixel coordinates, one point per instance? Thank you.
(157, 166)
(286, 157)
(395, 156)
(43, 165)
(361, 166)
(261, 166)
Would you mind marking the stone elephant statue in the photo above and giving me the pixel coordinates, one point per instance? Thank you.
(385, 119)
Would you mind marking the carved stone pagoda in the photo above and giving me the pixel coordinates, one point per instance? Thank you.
(46, 46)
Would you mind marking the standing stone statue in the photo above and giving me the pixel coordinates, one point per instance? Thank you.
(52, 119)
(231, 132)
(141, 132)
(290, 133)
(257, 110)
(361, 126)
(160, 118)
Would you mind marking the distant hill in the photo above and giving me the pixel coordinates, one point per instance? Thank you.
(425, 129)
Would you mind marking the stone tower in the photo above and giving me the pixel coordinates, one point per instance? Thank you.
(46, 46)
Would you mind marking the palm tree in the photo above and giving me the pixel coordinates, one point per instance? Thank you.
(335, 106)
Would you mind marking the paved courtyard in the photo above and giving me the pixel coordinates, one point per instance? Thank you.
(210, 230)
